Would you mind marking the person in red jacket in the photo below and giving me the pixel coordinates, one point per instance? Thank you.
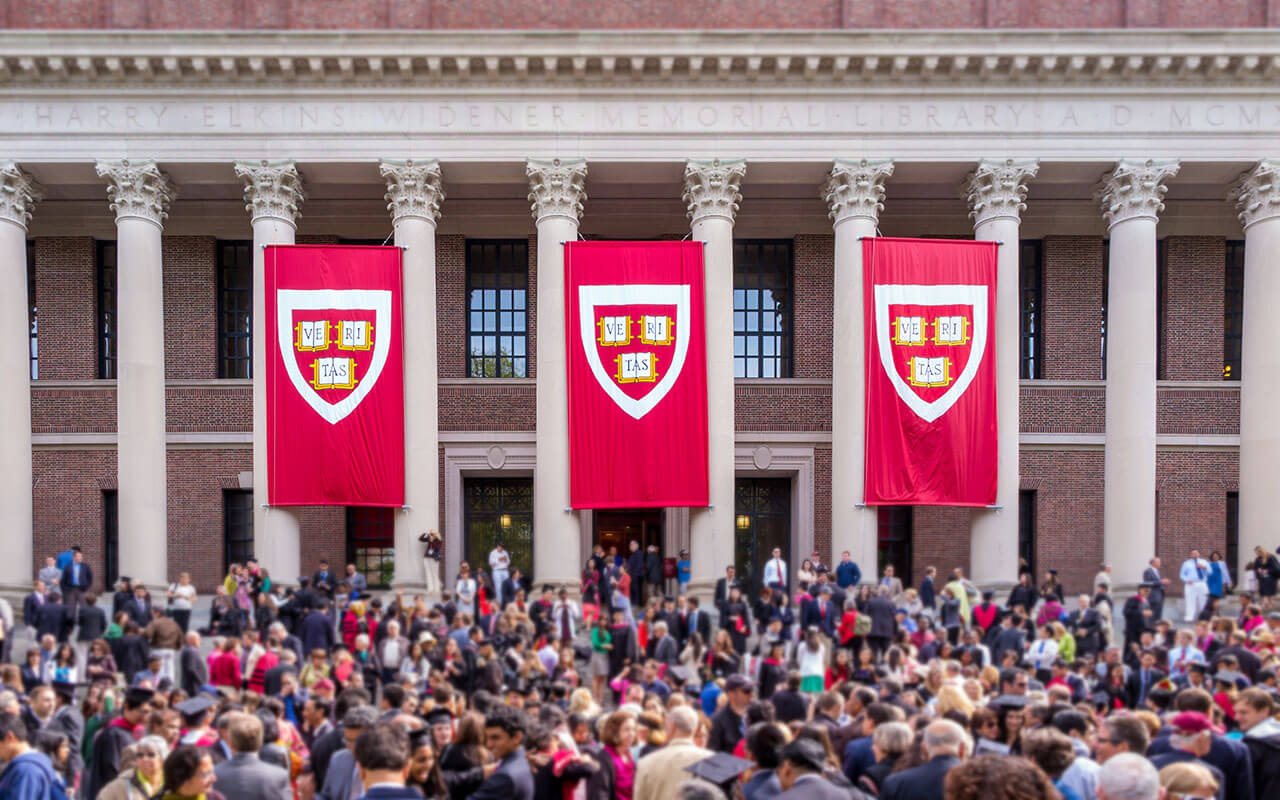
(224, 668)
(265, 662)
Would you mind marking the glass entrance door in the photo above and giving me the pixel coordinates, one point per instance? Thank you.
(762, 521)
(616, 528)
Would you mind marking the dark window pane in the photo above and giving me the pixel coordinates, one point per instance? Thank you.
(894, 541)
(498, 510)
(1233, 314)
(497, 274)
(762, 305)
(762, 521)
(371, 543)
(31, 308)
(237, 526)
(106, 309)
(110, 536)
(1031, 298)
(1027, 529)
(235, 309)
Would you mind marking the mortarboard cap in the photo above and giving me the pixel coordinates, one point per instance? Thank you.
(720, 768)
(807, 752)
(138, 695)
(739, 681)
(195, 707)
(419, 738)
(64, 689)
(439, 716)
(1010, 701)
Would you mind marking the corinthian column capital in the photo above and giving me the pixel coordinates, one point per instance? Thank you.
(414, 189)
(1134, 190)
(271, 189)
(855, 189)
(18, 194)
(557, 188)
(1256, 193)
(711, 188)
(137, 189)
(998, 189)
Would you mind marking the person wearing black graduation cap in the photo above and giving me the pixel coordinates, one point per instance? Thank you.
(800, 774)
(111, 741)
(68, 720)
(424, 769)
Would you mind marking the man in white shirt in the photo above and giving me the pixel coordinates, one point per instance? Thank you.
(1184, 655)
(1194, 589)
(775, 571)
(499, 566)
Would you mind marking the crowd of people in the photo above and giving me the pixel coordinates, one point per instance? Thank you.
(807, 684)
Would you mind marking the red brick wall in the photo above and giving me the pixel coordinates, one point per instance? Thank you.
(67, 503)
(1072, 307)
(618, 14)
(196, 480)
(1193, 304)
(451, 306)
(782, 407)
(822, 503)
(939, 538)
(66, 296)
(1069, 504)
(72, 410)
(814, 282)
(1198, 411)
(195, 409)
(1192, 503)
(1058, 409)
(190, 308)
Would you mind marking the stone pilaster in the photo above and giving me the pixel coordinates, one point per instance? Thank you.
(414, 194)
(272, 194)
(140, 195)
(997, 193)
(1131, 196)
(557, 190)
(18, 195)
(854, 193)
(712, 194)
(1257, 199)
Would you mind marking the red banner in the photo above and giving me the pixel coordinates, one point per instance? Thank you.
(637, 374)
(929, 311)
(335, 376)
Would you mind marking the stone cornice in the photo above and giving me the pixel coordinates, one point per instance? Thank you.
(271, 189)
(414, 189)
(1257, 193)
(137, 189)
(641, 57)
(18, 193)
(557, 188)
(856, 189)
(711, 188)
(1134, 190)
(998, 189)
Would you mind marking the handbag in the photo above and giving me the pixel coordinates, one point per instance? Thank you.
(862, 625)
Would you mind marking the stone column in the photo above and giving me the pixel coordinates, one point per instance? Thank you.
(140, 195)
(557, 189)
(414, 194)
(996, 192)
(1130, 196)
(18, 193)
(272, 193)
(855, 195)
(711, 191)
(1257, 198)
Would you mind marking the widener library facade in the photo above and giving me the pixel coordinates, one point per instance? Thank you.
(1127, 175)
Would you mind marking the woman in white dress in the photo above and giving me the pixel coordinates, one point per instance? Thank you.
(466, 590)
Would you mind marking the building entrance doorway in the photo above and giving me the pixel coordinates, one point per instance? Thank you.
(617, 527)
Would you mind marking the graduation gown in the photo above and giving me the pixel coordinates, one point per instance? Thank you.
(108, 745)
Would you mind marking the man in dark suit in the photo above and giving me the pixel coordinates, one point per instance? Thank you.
(54, 618)
(316, 630)
(880, 609)
(945, 743)
(1011, 637)
(324, 576)
(635, 568)
(724, 585)
(91, 620)
(68, 720)
(665, 649)
(77, 578)
(1143, 680)
(1151, 575)
(800, 773)
(822, 613)
(698, 621)
(382, 756)
(504, 732)
(1086, 624)
(244, 775)
(193, 672)
(1139, 615)
(31, 604)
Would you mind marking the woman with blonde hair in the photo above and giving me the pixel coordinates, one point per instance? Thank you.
(953, 698)
(581, 702)
(1187, 779)
(1066, 642)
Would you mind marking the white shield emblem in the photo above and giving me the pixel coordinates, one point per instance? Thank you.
(904, 342)
(662, 360)
(370, 362)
